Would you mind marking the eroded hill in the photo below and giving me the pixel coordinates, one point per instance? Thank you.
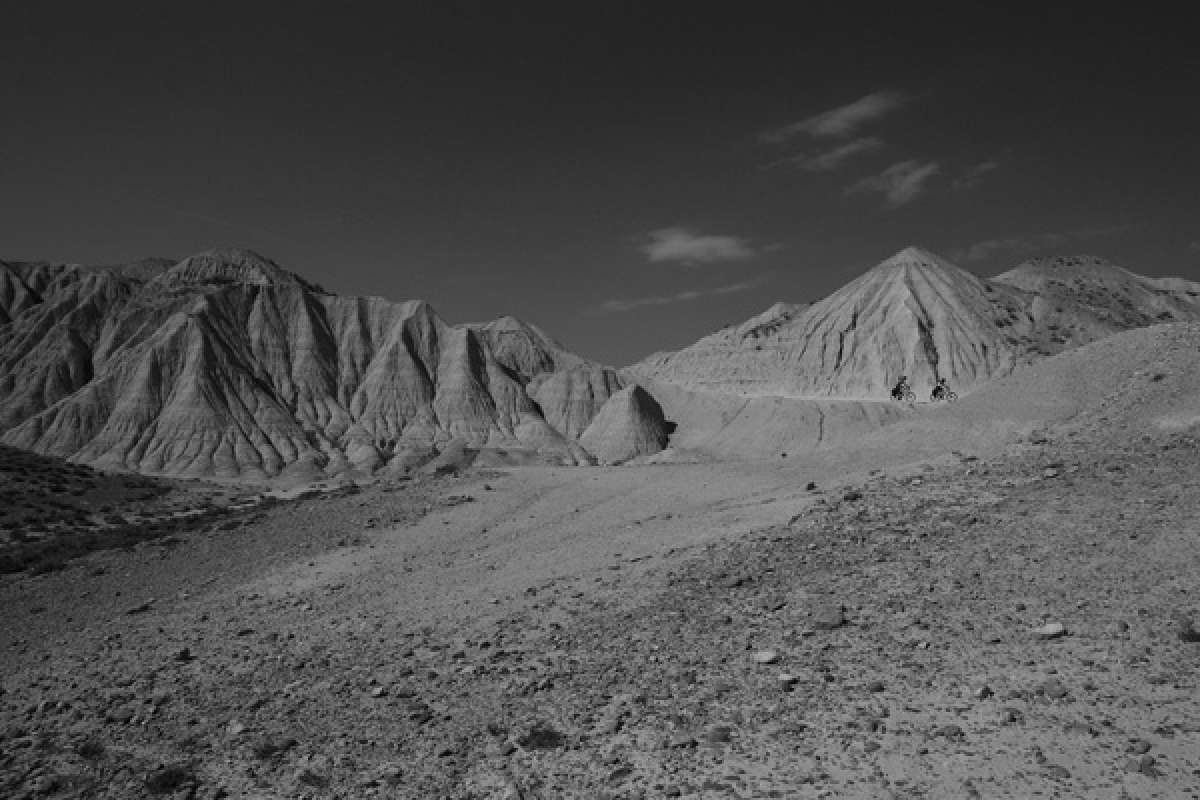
(919, 315)
(227, 365)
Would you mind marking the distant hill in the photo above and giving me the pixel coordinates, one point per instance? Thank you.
(919, 315)
(225, 364)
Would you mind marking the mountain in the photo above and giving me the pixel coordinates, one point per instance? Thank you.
(225, 364)
(919, 315)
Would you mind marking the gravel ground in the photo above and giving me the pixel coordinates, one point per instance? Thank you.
(1018, 626)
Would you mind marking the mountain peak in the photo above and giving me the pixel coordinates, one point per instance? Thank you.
(231, 265)
(914, 256)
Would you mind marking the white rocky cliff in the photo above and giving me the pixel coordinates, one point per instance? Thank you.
(225, 364)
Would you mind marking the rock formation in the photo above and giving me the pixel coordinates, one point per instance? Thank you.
(629, 425)
(917, 314)
(225, 364)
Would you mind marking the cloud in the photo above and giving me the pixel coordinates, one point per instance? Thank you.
(1017, 244)
(973, 175)
(1031, 243)
(690, 247)
(830, 160)
(839, 122)
(900, 183)
(1195, 245)
(687, 295)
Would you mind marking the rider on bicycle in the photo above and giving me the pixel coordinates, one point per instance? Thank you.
(901, 388)
(940, 391)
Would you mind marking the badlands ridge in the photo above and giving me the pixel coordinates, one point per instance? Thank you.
(226, 365)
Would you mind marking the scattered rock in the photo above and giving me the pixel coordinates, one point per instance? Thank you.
(948, 732)
(765, 657)
(1144, 764)
(1053, 688)
(1051, 630)
(140, 608)
(718, 734)
(827, 617)
(1056, 771)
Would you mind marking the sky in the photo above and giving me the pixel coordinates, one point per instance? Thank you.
(627, 176)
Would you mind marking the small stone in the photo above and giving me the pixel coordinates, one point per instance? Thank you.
(1056, 771)
(787, 681)
(1049, 472)
(1054, 689)
(765, 657)
(948, 731)
(681, 740)
(982, 692)
(184, 655)
(140, 608)
(875, 686)
(1051, 630)
(379, 691)
(1143, 764)
(1140, 746)
(828, 617)
(718, 734)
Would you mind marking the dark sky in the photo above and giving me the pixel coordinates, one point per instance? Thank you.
(629, 178)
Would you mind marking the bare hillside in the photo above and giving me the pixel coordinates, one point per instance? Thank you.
(916, 314)
(227, 365)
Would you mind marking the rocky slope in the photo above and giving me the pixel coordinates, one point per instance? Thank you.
(917, 314)
(225, 364)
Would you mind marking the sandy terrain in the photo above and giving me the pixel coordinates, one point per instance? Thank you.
(919, 616)
(713, 630)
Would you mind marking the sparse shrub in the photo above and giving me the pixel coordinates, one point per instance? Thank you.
(168, 779)
(542, 737)
(91, 749)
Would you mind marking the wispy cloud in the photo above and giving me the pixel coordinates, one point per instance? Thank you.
(1029, 244)
(981, 251)
(690, 247)
(830, 160)
(971, 176)
(839, 122)
(687, 295)
(900, 183)
(1195, 245)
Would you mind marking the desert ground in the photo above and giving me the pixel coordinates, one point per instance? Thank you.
(995, 598)
(706, 630)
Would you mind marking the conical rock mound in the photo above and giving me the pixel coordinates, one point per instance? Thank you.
(916, 314)
(630, 424)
